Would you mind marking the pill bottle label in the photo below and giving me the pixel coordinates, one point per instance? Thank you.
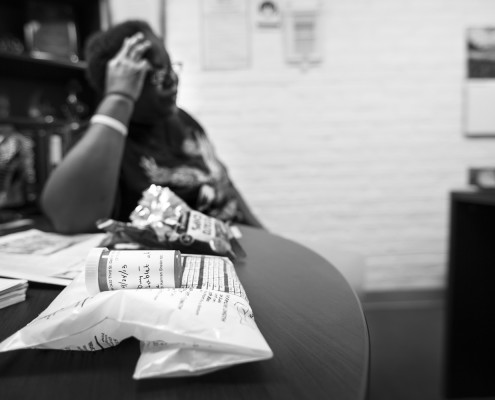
(133, 269)
(139, 270)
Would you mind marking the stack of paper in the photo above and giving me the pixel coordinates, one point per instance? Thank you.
(45, 257)
(12, 291)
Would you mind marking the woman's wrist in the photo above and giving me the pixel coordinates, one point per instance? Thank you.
(109, 122)
(117, 107)
(122, 95)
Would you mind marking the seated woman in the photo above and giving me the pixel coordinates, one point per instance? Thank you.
(137, 137)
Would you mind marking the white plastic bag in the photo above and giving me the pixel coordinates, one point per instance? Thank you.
(183, 331)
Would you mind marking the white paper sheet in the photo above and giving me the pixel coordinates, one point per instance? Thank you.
(45, 257)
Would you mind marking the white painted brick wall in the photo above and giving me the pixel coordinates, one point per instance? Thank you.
(359, 152)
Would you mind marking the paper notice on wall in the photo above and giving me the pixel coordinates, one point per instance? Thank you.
(151, 11)
(225, 34)
(479, 100)
(479, 95)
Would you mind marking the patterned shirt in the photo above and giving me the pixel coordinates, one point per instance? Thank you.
(176, 154)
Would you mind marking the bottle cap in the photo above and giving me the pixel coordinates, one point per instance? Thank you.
(91, 269)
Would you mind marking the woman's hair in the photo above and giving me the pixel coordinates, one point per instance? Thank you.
(102, 46)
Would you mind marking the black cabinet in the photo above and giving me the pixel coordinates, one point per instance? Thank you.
(44, 95)
(470, 330)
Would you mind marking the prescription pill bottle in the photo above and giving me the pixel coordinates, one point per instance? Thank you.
(132, 269)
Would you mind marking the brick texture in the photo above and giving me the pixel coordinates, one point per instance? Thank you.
(358, 152)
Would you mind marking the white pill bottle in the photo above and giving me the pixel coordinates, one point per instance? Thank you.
(132, 269)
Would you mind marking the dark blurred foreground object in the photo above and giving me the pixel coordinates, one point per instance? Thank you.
(470, 329)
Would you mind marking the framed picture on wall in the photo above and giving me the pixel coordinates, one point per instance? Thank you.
(51, 32)
(479, 96)
(303, 33)
(268, 14)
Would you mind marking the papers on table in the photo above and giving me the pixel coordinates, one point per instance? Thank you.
(45, 257)
(12, 291)
(18, 223)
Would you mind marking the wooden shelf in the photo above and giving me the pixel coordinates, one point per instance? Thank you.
(39, 83)
(54, 63)
(24, 122)
(37, 68)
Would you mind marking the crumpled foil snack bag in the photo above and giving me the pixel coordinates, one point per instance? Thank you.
(162, 220)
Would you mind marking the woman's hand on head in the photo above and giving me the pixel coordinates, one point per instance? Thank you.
(127, 70)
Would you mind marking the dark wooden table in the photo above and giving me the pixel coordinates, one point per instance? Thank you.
(306, 310)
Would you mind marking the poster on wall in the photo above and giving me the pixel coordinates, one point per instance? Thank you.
(303, 33)
(151, 11)
(225, 38)
(480, 86)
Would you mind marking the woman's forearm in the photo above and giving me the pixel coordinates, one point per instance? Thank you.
(82, 188)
